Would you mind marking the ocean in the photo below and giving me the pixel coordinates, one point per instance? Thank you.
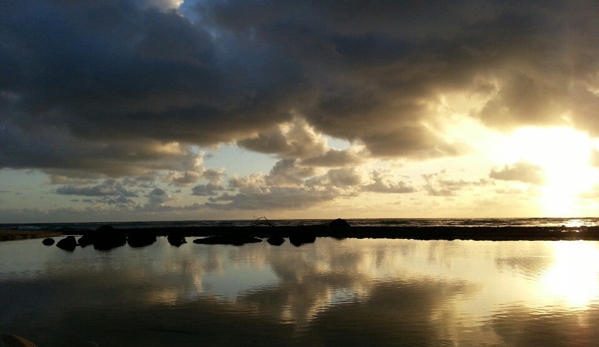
(374, 222)
(331, 292)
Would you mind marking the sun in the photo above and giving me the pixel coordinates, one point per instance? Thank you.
(564, 155)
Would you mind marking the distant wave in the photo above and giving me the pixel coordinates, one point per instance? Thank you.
(374, 222)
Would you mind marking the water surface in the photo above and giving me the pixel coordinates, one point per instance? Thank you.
(352, 292)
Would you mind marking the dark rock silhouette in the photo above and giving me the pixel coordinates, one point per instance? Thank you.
(235, 240)
(339, 223)
(141, 238)
(276, 240)
(104, 238)
(300, 239)
(176, 239)
(48, 241)
(110, 241)
(68, 243)
(86, 239)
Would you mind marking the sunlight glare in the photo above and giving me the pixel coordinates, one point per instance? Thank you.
(574, 276)
(564, 155)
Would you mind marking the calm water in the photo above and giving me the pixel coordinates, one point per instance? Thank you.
(353, 292)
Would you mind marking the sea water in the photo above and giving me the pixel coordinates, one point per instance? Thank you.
(351, 292)
(368, 222)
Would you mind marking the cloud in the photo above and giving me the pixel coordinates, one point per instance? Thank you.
(106, 188)
(288, 173)
(348, 178)
(158, 197)
(438, 185)
(336, 158)
(86, 84)
(272, 198)
(287, 186)
(382, 183)
(520, 171)
(296, 139)
(208, 189)
(594, 161)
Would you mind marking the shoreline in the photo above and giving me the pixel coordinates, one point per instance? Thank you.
(415, 233)
(16, 235)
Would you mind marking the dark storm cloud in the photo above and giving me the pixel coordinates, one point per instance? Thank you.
(83, 84)
(82, 76)
(377, 66)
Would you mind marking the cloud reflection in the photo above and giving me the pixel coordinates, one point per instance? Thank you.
(332, 292)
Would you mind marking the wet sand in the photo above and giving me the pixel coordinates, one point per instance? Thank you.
(416, 233)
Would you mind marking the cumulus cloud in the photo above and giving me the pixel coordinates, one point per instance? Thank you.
(520, 171)
(383, 183)
(130, 90)
(336, 158)
(272, 198)
(288, 173)
(296, 139)
(338, 178)
(158, 197)
(287, 186)
(438, 184)
(106, 188)
(208, 189)
(98, 85)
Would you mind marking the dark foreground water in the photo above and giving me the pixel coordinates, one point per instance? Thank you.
(352, 292)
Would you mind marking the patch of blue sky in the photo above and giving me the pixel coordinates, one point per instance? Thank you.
(337, 143)
(239, 161)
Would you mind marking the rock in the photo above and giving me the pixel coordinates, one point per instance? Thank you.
(104, 238)
(176, 239)
(339, 223)
(108, 241)
(300, 239)
(234, 240)
(9, 340)
(86, 239)
(141, 238)
(68, 243)
(105, 228)
(48, 241)
(276, 240)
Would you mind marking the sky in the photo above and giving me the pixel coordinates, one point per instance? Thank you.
(127, 110)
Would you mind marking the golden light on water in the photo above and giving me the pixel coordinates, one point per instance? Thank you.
(573, 278)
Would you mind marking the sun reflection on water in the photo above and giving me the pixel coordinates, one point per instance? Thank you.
(573, 278)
